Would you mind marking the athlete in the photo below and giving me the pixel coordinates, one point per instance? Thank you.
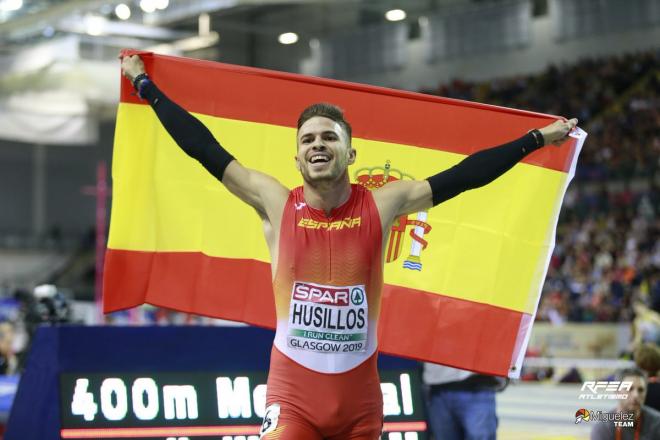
(326, 245)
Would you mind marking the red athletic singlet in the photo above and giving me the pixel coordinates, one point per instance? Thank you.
(323, 381)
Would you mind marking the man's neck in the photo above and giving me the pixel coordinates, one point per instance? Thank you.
(327, 196)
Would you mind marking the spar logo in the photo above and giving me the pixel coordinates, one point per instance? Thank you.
(357, 296)
(375, 177)
(336, 296)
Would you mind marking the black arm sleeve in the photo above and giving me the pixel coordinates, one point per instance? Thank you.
(187, 131)
(480, 168)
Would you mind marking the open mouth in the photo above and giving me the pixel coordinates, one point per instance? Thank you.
(319, 159)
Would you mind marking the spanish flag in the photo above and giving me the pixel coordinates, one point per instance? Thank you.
(462, 281)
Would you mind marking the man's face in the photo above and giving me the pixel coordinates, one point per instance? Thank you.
(636, 395)
(324, 153)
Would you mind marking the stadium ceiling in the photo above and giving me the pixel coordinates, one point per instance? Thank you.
(193, 24)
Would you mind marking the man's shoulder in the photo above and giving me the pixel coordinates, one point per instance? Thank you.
(650, 422)
(651, 413)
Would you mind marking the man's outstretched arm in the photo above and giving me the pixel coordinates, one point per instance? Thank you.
(404, 197)
(259, 190)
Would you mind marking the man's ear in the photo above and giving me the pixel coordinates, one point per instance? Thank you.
(351, 156)
(295, 158)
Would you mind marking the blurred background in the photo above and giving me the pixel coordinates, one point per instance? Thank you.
(597, 60)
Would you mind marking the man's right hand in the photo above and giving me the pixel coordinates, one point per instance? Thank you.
(557, 132)
(132, 66)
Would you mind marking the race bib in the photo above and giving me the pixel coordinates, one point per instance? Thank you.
(328, 319)
(271, 417)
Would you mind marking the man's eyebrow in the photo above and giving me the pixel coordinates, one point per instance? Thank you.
(323, 132)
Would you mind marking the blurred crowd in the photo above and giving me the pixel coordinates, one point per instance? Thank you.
(615, 98)
(606, 262)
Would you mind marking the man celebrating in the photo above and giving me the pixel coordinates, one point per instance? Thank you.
(326, 246)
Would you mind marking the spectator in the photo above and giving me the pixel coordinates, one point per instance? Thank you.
(461, 404)
(647, 358)
(646, 419)
(9, 362)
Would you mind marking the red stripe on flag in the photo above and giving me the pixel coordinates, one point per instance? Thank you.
(190, 282)
(475, 336)
(376, 113)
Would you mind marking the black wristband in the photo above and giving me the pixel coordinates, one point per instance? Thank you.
(538, 137)
(138, 79)
(139, 82)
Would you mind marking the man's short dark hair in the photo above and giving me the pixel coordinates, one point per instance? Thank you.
(631, 372)
(647, 357)
(325, 110)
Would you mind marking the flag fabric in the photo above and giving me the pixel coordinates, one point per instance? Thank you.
(462, 281)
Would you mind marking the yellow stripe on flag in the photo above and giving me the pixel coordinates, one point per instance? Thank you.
(489, 245)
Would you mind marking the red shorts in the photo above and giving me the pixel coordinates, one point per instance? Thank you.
(303, 404)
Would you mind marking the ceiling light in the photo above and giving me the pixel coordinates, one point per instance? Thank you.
(148, 5)
(288, 38)
(395, 14)
(95, 24)
(161, 4)
(10, 5)
(122, 11)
